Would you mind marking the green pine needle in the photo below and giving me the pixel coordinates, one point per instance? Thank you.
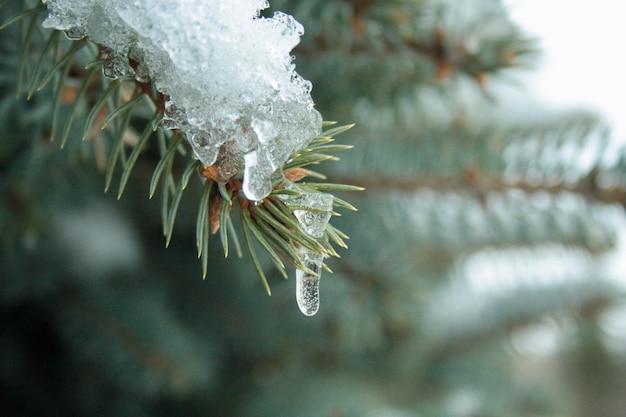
(138, 149)
(253, 256)
(164, 163)
(233, 237)
(33, 26)
(51, 46)
(202, 222)
(14, 19)
(173, 210)
(308, 159)
(250, 225)
(57, 94)
(225, 194)
(336, 131)
(126, 107)
(113, 85)
(117, 152)
(319, 186)
(224, 225)
(338, 202)
(332, 234)
(77, 101)
(64, 61)
(286, 249)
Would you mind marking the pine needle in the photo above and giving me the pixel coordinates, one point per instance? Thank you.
(57, 94)
(202, 229)
(224, 225)
(74, 110)
(295, 234)
(126, 107)
(331, 232)
(98, 106)
(322, 148)
(204, 257)
(52, 45)
(233, 237)
(163, 164)
(14, 19)
(65, 59)
(117, 152)
(338, 202)
(224, 192)
(255, 260)
(173, 210)
(308, 159)
(325, 186)
(337, 130)
(141, 144)
(263, 242)
(26, 43)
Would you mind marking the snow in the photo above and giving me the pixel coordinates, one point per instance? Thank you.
(227, 74)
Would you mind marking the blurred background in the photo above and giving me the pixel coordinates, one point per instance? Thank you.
(485, 273)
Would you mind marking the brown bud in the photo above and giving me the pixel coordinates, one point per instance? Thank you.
(215, 208)
(296, 174)
(445, 70)
(209, 172)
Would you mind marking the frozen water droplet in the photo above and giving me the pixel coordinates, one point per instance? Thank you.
(265, 131)
(115, 65)
(75, 33)
(173, 116)
(138, 62)
(257, 175)
(203, 146)
(307, 284)
(247, 140)
(168, 124)
(290, 26)
(313, 222)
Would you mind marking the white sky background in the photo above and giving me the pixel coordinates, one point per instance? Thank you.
(584, 54)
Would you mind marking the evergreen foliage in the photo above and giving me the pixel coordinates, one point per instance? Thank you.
(473, 228)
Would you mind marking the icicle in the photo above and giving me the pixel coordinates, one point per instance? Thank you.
(308, 284)
(313, 222)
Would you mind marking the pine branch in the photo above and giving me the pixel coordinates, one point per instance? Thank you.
(117, 105)
(161, 362)
(481, 184)
(476, 329)
(419, 43)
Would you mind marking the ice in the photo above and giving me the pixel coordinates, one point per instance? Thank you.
(204, 145)
(313, 211)
(227, 74)
(314, 219)
(257, 174)
(308, 284)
